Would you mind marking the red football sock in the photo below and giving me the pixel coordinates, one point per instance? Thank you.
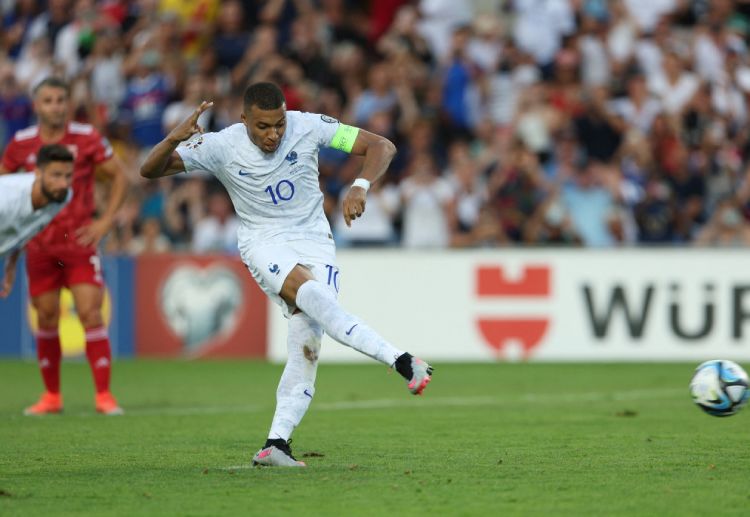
(49, 353)
(99, 356)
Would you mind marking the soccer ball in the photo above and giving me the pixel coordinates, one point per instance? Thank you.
(720, 387)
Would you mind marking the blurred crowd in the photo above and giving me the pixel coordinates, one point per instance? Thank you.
(518, 122)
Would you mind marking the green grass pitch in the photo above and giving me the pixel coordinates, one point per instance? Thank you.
(491, 439)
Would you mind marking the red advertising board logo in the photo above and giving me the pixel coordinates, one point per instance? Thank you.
(491, 282)
(189, 306)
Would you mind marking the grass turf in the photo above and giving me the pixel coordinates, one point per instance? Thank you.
(521, 439)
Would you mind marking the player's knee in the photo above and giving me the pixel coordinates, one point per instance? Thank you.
(48, 317)
(91, 318)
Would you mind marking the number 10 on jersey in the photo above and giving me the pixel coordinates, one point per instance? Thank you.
(284, 191)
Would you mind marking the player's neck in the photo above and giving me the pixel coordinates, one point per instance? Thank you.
(51, 134)
(38, 199)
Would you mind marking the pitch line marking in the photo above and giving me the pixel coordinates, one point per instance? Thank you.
(436, 402)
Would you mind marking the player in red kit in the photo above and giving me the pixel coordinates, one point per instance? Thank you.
(64, 253)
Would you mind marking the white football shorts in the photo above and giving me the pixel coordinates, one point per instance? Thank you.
(271, 264)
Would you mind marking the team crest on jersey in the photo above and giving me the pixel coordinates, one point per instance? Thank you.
(326, 118)
(291, 157)
(193, 144)
(274, 268)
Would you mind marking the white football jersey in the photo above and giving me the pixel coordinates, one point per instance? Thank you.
(276, 195)
(19, 222)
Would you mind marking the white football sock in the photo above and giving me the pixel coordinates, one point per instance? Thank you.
(318, 302)
(297, 384)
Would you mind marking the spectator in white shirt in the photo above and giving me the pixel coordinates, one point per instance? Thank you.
(217, 232)
(638, 109)
(674, 86)
(427, 206)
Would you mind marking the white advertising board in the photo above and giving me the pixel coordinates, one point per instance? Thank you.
(546, 305)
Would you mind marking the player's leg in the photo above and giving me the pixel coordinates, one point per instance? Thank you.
(88, 300)
(297, 385)
(83, 275)
(49, 352)
(295, 391)
(45, 278)
(303, 290)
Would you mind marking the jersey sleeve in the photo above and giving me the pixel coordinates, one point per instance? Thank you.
(102, 149)
(323, 128)
(204, 152)
(12, 160)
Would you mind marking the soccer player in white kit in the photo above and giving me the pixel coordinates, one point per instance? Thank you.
(269, 166)
(28, 201)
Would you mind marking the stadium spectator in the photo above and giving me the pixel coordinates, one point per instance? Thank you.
(183, 208)
(48, 24)
(35, 63)
(551, 225)
(516, 185)
(230, 37)
(674, 86)
(459, 104)
(15, 25)
(195, 18)
(146, 100)
(15, 107)
(104, 67)
(194, 91)
(425, 74)
(637, 109)
(217, 231)
(149, 239)
(469, 192)
(726, 228)
(378, 96)
(540, 28)
(428, 205)
(656, 214)
(590, 205)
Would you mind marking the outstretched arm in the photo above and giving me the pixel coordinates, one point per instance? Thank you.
(163, 160)
(378, 152)
(10, 274)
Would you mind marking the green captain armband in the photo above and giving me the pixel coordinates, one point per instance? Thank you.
(344, 138)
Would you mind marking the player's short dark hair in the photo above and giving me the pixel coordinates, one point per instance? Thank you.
(52, 82)
(53, 153)
(267, 96)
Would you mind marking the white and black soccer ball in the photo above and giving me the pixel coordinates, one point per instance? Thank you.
(720, 387)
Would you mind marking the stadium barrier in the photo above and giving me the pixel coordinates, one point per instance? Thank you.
(198, 306)
(156, 306)
(479, 305)
(18, 320)
(547, 304)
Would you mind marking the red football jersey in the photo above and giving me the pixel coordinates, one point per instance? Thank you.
(89, 149)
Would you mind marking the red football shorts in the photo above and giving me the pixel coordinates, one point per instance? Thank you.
(50, 271)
